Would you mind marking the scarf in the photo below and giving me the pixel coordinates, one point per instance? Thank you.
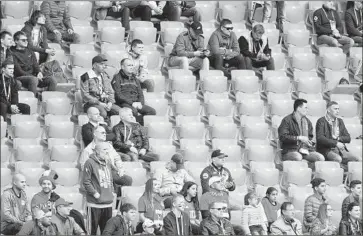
(303, 128)
(355, 227)
(334, 126)
(258, 48)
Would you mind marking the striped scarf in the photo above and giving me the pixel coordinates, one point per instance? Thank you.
(334, 125)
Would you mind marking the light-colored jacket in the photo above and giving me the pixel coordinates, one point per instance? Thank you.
(281, 227)
(66, 226)
(140, 65)
(253, 216)
(169, 179)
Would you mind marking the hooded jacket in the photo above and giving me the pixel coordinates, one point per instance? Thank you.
(185, 45)
(56, 15)
(43, 44)
(170, 226)
(25, 62)
(220, 40)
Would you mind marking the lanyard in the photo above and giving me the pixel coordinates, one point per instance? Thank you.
(356, 17)
(327, 15)
(126, 138)
(222, 228)
(178, 226)
(7, 92)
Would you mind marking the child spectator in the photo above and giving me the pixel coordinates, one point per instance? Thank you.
(271, 206)
(254, 220)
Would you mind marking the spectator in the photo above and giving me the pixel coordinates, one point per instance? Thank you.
(9, 97)
(121, 224)
(216, 223)
(15, 208)
(151, 206)
(328, 26)
(296, 135)
(128, 91)
(323, 225)
(98, 183)
(37, 36)
(313, 202)
(177, 222)
(351, 224)
(95, 120)
(216, 168)
(146, 9)
(148, 227)
(174, 9)
(225, 52)
(65, 224)
(136, 54)
(286, 223)
(6, 43)
(254, 220)
(27, 70)
(58, 22)
(173, 176)
(189, 50)
(354, 196)
(353, 21)
(96, 89)
(131, 139)
(332, 135)
(271, 205)
(190, 193)
(40, 225)
(256, 50)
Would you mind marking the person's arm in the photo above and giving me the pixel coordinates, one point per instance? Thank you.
(203, 229)
(84, 157)
(86, 96)
(67, 19)
(308, 210)
(158, 175)
(6, 207)
(31, 46)
(319, 28)
(145, 138)
(338, 23)
(344, 136)
(310, 130)
(231, 180)
(45, 9)
(17, 68)
(342, 228)
(284, 133)
(213, 45)
(77, 230)
(36, 68)
(14, 93)
(27, 228)
(119, 144)
(349, 25)
(244, 223)
(168, 227)
(180, 47)
(119, 97)
(140, 92)
(204, 180)
(320, 135)
(275, 230)
(87, 179)
(87, 133)
(244, 48)
(234, 46)
(345, 207)
(267, 49)
(108, 89)
(117, 159)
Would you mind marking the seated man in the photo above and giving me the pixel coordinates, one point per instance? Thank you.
(225, 52)
(189, 49)
(6, 43)
(296, 135)
(58, 22)
(286, 223)
(255, 49)
(128, 92)
(131, 138)
(95, 120)
(329, 28)
(173, 177)
(353, 21)
(146, 9)
(40, 225)
(121, 224)
(9, 99)
(27, 70)
(174, 9)
(331, 136)
(96, 89)
(216, 223)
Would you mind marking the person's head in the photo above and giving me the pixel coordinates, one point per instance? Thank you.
(251, 199)
(7, 68)
(328, 4)
(6, 39)
(178, 203)
(152, 186)
(93, 114)
(257, 32)
(176, 162)
(37, 18)
(301, 107)
(217, 209)
(218, 158)
(101, 150)
(318, 185)
(148, 226)
(356, 187)
(195, 29)
(128, 211)
(98, 64)
(191, 189)
(19, 181)
(325, 212)
(127, 66)
(226, 26)
(343, 81)
(47, 180)
(216, 182)
(45, 218)
(287, 210)
(99, 134)
(63, 207)
(353, 211)
(271, 194)
(137, 46)
(20, 39)
(332, 108)
(126, 115)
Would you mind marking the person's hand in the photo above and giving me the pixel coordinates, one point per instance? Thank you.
(198, 53)
(121, 172)
(57, 32)
(173, 190)
(228, 185)
(197, 222)
(128, 142)
(70, 31)
(97, 195)
(29, 217)
(50, 51)
(265, 57)
(138, 105)
(158, 10)
(104, 105)
(142, 152)
(135, 105)
(134, 150)
(109, 105)
(14, 109)
(206, 52)
(340, 145)
(40, 76)
(305, 140)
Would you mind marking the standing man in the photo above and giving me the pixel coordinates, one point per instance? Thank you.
(121, 224)
(177, 222)
(15, 207)
(331, 136)
(6, 43)
(286, 223)
(354, 196)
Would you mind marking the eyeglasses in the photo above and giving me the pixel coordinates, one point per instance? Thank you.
(220, 209)
(23, 40)
(229, 28)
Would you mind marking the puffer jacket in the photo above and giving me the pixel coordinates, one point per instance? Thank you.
(311, 208)
(127, 89)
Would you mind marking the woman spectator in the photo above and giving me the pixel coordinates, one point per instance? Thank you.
(190, 193)
(351, 225)
(322, 225)
(151, 206)
(37, 36)
(270, 205)
(353, 21)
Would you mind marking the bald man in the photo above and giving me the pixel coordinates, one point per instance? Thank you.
(95, 120)
(15, 206)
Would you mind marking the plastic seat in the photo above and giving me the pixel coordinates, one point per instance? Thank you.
(153, 58)
(172, 73)
(138, 176)
(207, 11)
(183, 83)
(335, 196)
(196, 152)
(149, 119)
(355, 130)
(32, 175)
(16, 9)
(295, 13)
(170, 34)
(215, 84)
(207, 96)
(207, 32)
(205, 73)
(316, 108)
(309, 85)
(114, 58)
(160, 130)
(219, 107)
(187, 107)
(255, 130)
(5, 155)
(80, 10)
(113, 47)
(112, 35)
(281, 107)
(85, 34)
(297, 38)
(295, 172)
(177, 96)
(258, 153)
(354, 171)
(355, 147)
(238, 174)
(160, 105)
(59, 127)
(224, 131)
(235, 11)
(27, 129)
(154, 165)
(64, 153)
(348, 108)
(82, 58)
(191, 130)
(58, 106)
(298, 196)
(332, 58)
(146, 35)
(132, 194)
(330, 171)
(195, 173)
(6, 177)
(233, 151)
(251, 108)
(29, 153)
(165, 152)
(279, 59)
(264, 173)
(67, 176)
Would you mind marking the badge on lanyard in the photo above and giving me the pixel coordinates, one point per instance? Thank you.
(22, 202)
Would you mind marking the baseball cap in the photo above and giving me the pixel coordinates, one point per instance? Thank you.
(218, 153)
(148, 223)
(197, 27)
(214, 179)
(61, 201)
(98, 59)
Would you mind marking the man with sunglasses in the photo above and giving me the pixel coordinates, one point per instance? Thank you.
(216, 223)
(225, 52)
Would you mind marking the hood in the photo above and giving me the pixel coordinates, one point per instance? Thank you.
(97, 160)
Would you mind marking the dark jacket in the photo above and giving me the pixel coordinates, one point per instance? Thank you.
(25, 62)
(322, 23)
(170, 227)
(324, 139)
(56, 15)
(87, 133)
(12, 98)
(209, 227)
(212, 170)
(5, 54)
(117, 226)
(31, 228)
(138, 137)
(346, 229)
(289, 131)
(349, 199)
(245, 47)
(185, 46)
(43, 44)
(219, 40)
(351, 23)
(127, 89)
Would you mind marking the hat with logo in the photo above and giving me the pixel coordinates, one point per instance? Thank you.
(197, 27)
(218, 153)
(98, 59)
(61, 201)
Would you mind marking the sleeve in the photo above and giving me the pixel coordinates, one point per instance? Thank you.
(204, 180)
(159, 176)
(284, 133)
(141, 206)
(87, 179)
(119, 97)
(349, 25)
(344, 136)
(310, 130)
(264, 218)
(83, 158)
(86, 96)
(338, 23)
(109, 89)
(30, 42)
(299, 228)
(14, 93)
(140, 92)
(67, 19)
(77, 230)
(319, 28)
(36, 68)
(45, 9)
(3, 99)
(214, 45)
(345, 207)
(320, 135)
(203, 229)
(144, 67)
(145, 138)
(315, 229)
(168, 227)
(342, 228)
(308, 210)
(110, 228)
(205, 213)
(119, 144)
(180, 47)
(245, 222)
(275, 230)
(243, 45)
(17, 67)
(235, 47)
(87, 134)
(117, 159)
(6, 208)
(231, 180)
(267, 49)
(26, 229)
(188, 177)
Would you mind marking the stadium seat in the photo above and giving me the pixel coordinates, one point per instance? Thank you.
(160, 105)
(207, 11)
(235, 11)
(113, 47)
(308, 86)
(26, 129)
(330, 171)
(169, 34)
(183, 83)
(280, 107)
(172, 73)
(302, 59)
(82, 58)
(295, 12)
(332, 78)
(114, 58)
(316, 108)
(223, 131)
(80, 10)
(335, 196)
(146, 35)
(187, 107)
(207, 32)
(238, 174)
(251, 108)
(264, 173)
(153, 58)
(111, 35)
(76, 198)
(295, 173)
(63, 153)
(331, 58)
(59, 127)
(132, 194)
(164, 151)
(16, 9)
(85, 34)
(195, 152)
(355, 130)
(160, 130)
(246, 84)
(355, 147)
(219, 107)
(5, 155)
(29, 153)
(296, 38)
(214, 84)
(233, 150)
(298, 196)
(191, 130)
(255, 130)
(68, 177)
(258, 153)
(138, 176)
(205, 73)
(5, 177)
(354, 172)
(32, 174)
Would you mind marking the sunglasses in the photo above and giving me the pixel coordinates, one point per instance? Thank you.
(220, 209)
(23, 40)
(229, 28)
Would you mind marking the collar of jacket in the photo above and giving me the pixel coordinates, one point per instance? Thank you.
(224, 36)
(96, 159)
(326, 9)
(123, 75)
(63, 219)
(133, 54)
(215, 167)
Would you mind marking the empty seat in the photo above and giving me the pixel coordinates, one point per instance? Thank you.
(233, 151)
(183, 83)
(297, 38)
(32, 174)
(6, 177)
(165, 152)
(64, 153)
(191, 130)
(170, 34)
(16, 9)
(332, 59)
(348, 108)
(335, 196)
(207, 10)
(148, 119)
(112, 35)
(160, 105)
(76, 198)
(235, 11)
(354, 171)
(224, 131)
(309, 85)
(187, 107)
(316, 108)
(215, 84)
(27, 129)
(219, 107)
(153, 58)
(251, 108)
(295, 12)
(258, 153)
(138, 176)
(355, 130)
(295, 173)
(255, 130)
(264, 173)
(146, 35)
(330, 171)
(67, 176)
(160, 130)
(80, 10)
(238, 174)
(196, 152)
(178, 72)
(281, 107)
(81, 54)
(299, 195)
(113, 47)
(29, 153)
(59, 127)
